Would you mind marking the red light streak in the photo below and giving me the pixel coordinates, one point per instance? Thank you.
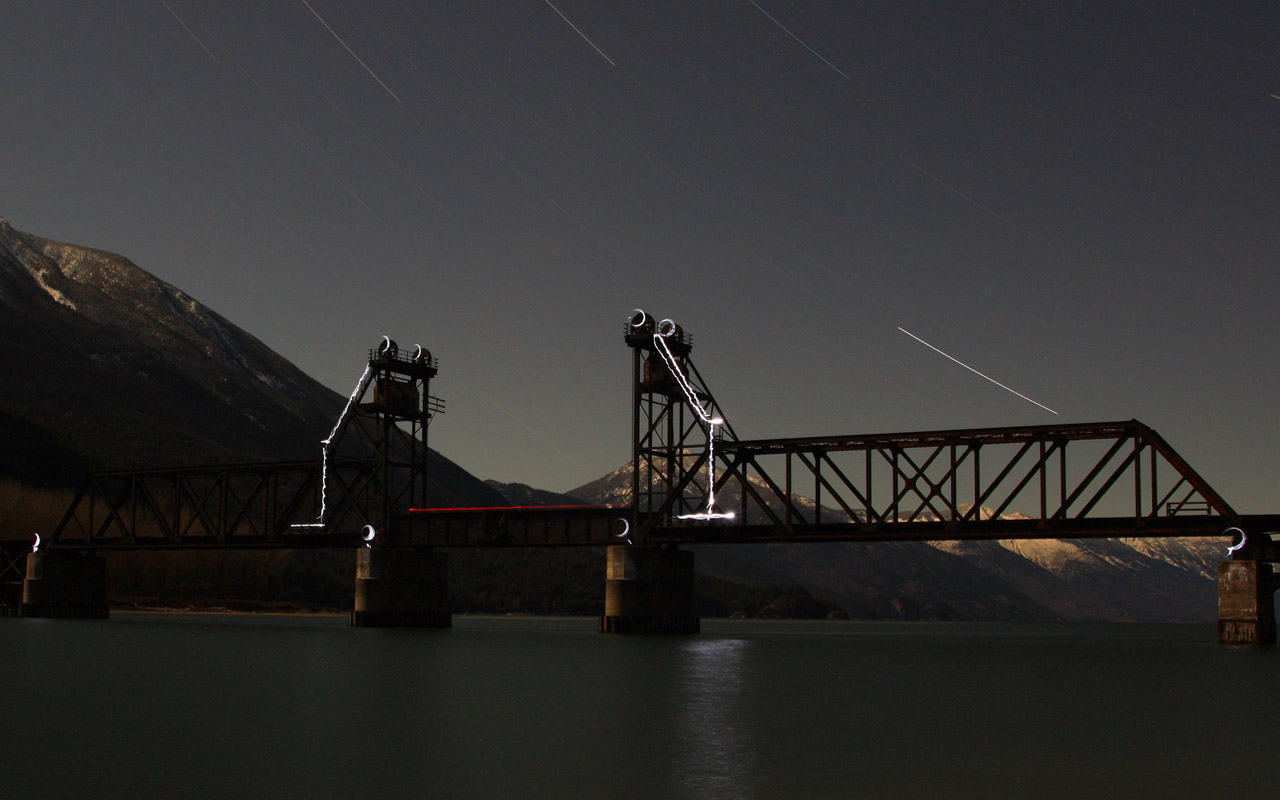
(506, 508)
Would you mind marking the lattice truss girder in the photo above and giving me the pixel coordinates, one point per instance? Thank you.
(215, 506)
(1067, 472)
(13, 561)
(667, 470)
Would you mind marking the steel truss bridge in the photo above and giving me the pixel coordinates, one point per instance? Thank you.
(1112, 479)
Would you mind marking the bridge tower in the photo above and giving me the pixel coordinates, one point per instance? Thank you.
(649, 589)
(384, 440)
(670, 444)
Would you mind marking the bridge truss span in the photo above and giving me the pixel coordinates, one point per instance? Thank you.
(698, 482)
(245, 505)
(1051, 481)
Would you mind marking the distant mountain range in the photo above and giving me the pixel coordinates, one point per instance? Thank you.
(108, 367)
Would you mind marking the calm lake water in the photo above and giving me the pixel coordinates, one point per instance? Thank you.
(244, 706)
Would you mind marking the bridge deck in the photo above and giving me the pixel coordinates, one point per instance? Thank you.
(594, 526)
(515, 526)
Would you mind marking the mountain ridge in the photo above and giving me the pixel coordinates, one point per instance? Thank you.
(130, 372)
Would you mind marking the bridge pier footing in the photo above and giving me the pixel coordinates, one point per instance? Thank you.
(1246, 602)
(401, 589)
(649, 590)
(67, 584)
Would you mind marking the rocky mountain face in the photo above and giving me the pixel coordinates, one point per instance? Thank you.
(1079, 580)
(112, 368)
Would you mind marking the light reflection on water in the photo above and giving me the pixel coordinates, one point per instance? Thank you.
(715, 745)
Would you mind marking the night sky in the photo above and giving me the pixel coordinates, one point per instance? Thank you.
(1078, 199)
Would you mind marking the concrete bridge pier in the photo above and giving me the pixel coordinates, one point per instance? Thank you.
(1246, 602)
(68, 584)
(401, 589)
(649, 590)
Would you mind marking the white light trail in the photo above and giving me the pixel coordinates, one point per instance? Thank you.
(626, 530)
(349, 50)
(798, 39)
(975, 372)
(35, 548)
(1235, 547)
(664, 329)
(324, 450)
(705, 515)
(583, 35)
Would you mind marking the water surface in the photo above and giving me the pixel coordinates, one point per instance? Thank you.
(236, 706)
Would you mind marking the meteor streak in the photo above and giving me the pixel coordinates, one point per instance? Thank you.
(580, 33)
(798, 39)
(190, 32)
(975, 372)
(963, 196)
(349, 50)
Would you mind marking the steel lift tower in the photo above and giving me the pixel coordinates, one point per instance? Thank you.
(675, 424)
(396, 584)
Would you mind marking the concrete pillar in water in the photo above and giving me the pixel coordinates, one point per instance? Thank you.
(65, 584)
(1246, 602)
(649, 590)
(401, 589)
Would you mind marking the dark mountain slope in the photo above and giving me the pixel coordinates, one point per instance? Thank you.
(131, 372)
(126, 371)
